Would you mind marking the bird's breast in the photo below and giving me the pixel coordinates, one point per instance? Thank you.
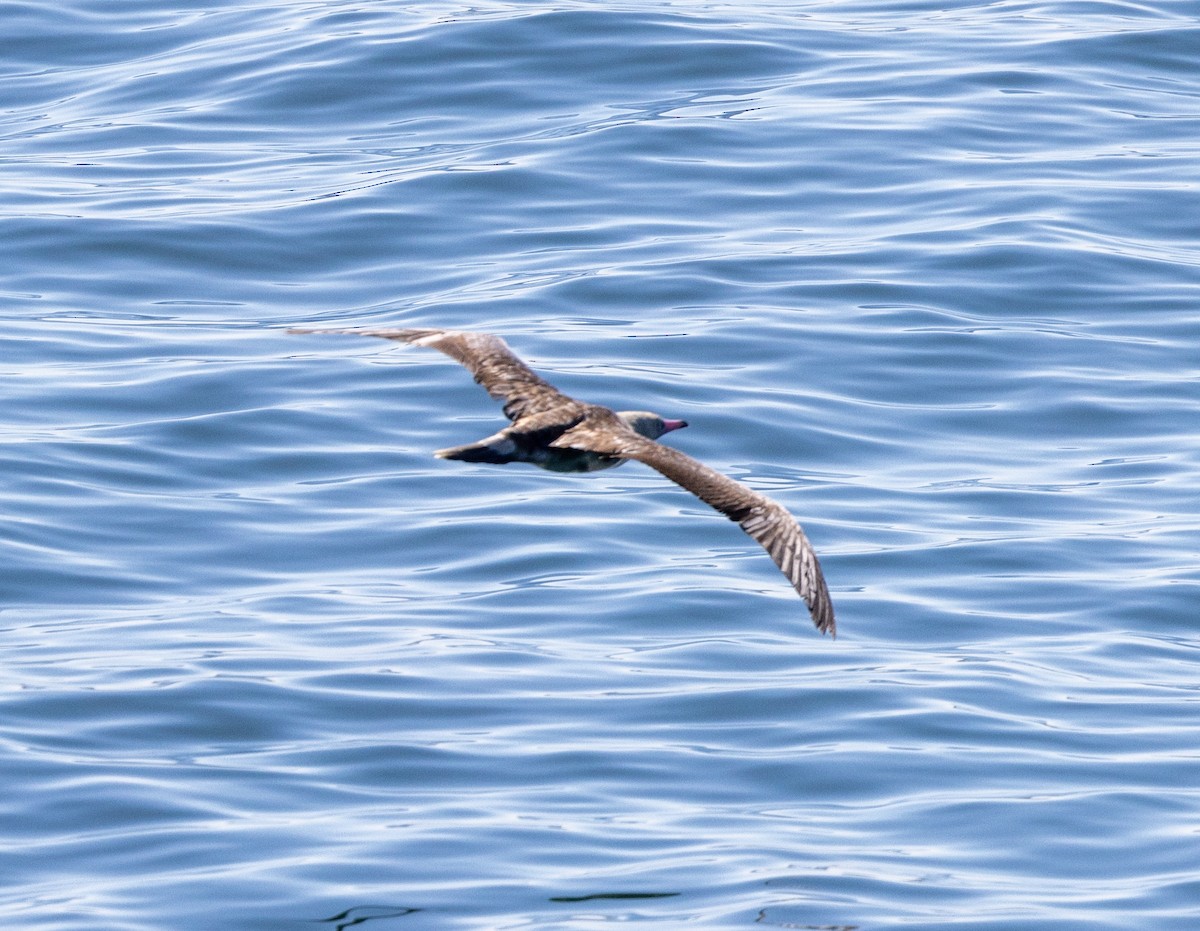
(572, 460)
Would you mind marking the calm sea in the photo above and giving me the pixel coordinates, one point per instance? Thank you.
(927, 274)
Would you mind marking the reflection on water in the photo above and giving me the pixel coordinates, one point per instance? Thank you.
(361, 914)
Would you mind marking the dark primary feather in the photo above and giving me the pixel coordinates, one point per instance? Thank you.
(541, 414)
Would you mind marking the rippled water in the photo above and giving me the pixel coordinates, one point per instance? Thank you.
(928, 276)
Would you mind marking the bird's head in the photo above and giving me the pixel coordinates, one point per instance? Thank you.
(650, 425)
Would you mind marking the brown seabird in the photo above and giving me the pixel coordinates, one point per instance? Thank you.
(556, 432)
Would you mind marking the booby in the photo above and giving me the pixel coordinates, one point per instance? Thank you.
(557, 432)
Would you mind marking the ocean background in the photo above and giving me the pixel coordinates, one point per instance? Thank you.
(928, 274)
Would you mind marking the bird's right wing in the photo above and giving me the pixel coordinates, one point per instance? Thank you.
(488, 358)
(765, 520)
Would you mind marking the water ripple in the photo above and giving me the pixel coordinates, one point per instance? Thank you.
(926, 276)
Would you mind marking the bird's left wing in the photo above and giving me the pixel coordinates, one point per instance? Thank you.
(765, 520)
(496, 367)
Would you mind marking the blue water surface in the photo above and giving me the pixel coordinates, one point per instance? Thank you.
(929, 275)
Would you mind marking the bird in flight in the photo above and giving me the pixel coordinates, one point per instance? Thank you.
(557, 432)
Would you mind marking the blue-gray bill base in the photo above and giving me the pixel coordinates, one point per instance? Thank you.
(557, 432)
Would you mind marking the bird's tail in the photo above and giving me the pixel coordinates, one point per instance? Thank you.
(496, 450)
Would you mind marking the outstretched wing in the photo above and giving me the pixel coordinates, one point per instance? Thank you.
(488, 358)
(765, 520)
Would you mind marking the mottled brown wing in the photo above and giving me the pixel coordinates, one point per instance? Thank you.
(763, 519)
(488, 358)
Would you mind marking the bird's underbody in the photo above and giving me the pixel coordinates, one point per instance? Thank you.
(557, 432)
